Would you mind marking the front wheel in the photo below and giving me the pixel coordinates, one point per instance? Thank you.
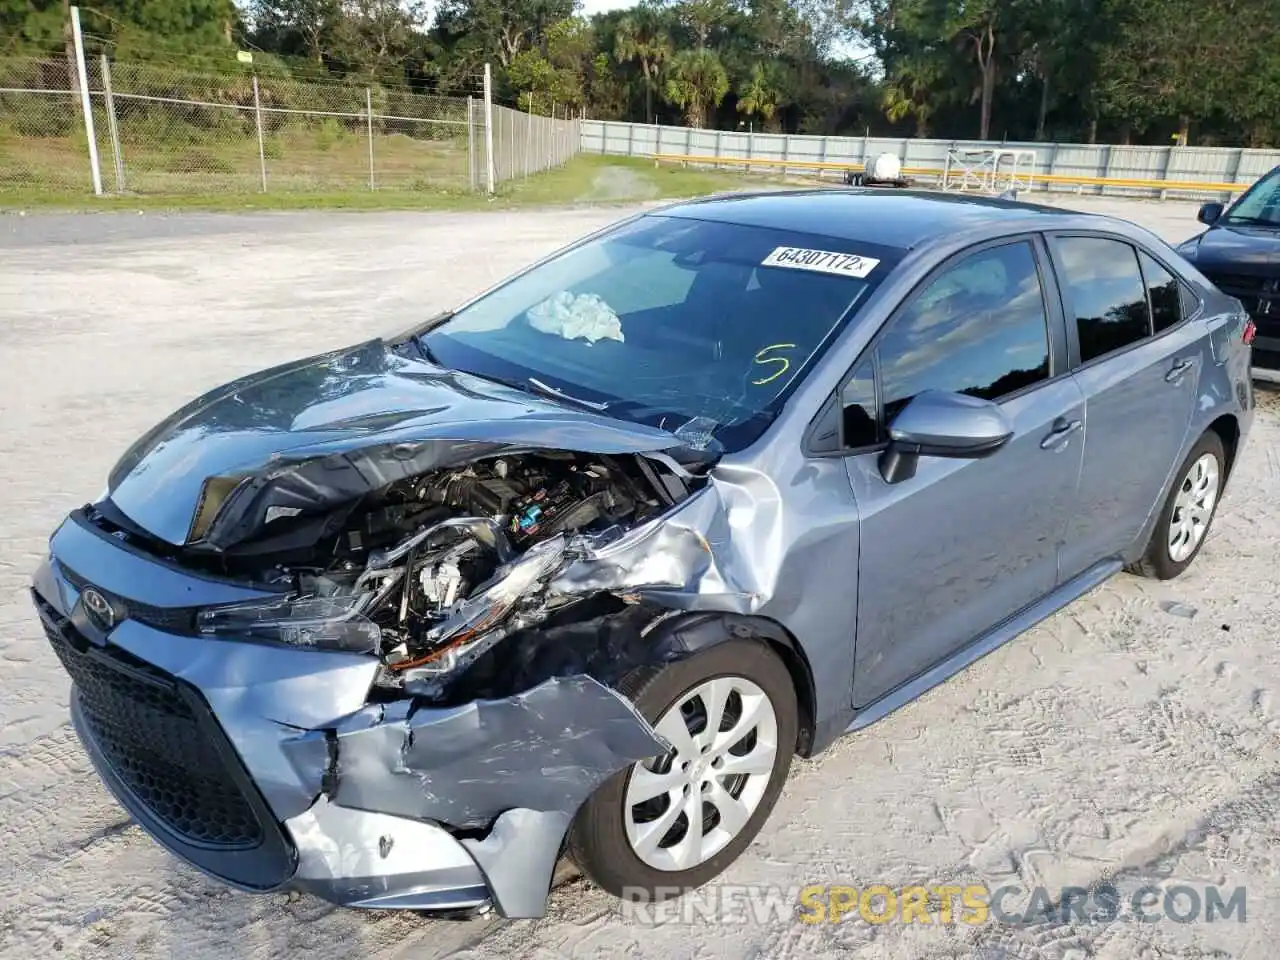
(1184, 522)
(670, 824)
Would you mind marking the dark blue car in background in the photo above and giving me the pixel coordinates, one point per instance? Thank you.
(1240, 253)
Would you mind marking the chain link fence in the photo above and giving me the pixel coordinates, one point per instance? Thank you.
(163, 130)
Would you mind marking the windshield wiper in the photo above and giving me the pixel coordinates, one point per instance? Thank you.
(550, 391)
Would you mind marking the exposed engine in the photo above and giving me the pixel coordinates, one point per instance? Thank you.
(446, 565)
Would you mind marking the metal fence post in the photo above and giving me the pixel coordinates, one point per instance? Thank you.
(528, 140)
(111, 124)
(257, 121)
(368, 113)
(488, 127)
(85, 103)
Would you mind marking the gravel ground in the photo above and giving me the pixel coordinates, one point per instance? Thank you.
(1117, 740)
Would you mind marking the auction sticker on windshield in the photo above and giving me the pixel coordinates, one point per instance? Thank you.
(821, 261)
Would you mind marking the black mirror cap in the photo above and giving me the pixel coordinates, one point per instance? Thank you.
(898, 461)
(943, 424)
(1210, 213)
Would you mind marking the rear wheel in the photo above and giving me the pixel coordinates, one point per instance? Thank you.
(1184, 522)
(672, 823)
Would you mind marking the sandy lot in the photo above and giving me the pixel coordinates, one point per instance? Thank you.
(1119, 740)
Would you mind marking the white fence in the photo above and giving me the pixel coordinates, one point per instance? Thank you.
(1215, 165)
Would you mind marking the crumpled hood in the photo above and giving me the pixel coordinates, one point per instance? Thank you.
(328, 409)
(1231, 247)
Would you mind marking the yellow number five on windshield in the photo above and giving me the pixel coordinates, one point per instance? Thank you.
(783, 363)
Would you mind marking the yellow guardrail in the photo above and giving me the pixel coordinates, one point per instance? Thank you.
(794, 164)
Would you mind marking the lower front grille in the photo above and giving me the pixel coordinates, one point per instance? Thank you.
(1266, 359)
(1259, 294)
(172, 765)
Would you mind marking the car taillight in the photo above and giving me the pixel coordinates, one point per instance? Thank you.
(1250, 328)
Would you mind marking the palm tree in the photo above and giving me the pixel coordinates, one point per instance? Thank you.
(908, 92)
(640, 37)
(760, 97)
(696, 80)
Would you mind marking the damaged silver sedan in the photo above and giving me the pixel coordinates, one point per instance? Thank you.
(577, 569)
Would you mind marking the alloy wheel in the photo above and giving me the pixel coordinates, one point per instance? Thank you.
(1193, 507)
(684, 808)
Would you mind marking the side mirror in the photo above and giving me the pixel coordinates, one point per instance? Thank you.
(940, 424)
(1210, 213)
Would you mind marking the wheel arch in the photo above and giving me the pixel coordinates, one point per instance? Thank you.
(683, 634)
(1227, 427)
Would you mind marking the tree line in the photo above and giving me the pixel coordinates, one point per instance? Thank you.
(1155, 71)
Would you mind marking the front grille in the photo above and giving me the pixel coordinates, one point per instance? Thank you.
(156, 738)
(169, 619)
(149, 735)
(1238, 284)
(1259, 294)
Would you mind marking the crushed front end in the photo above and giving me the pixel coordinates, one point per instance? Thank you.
(384, 674)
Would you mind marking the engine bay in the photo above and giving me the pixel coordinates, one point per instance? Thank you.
(433, 571)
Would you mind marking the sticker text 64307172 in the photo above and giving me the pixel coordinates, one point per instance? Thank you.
(821, 261)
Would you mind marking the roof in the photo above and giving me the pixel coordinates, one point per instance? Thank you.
(893, 218)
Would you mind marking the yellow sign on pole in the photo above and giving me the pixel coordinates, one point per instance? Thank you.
(244, 56)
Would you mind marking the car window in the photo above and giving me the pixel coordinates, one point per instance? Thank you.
(979, 328)
(1260, 203)
(860, 422)
(678, 323)
(1190, 301)
(652, 279)
(1163, 290)
(1106, 293)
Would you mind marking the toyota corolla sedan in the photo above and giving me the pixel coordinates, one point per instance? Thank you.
(576, 569)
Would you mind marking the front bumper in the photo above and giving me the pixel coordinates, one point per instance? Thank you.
(267, 768)
(1266, 356)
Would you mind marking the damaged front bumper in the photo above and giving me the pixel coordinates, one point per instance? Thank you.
(268, 768)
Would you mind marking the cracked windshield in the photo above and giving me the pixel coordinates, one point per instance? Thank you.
(693, 326)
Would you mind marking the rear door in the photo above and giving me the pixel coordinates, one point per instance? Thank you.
(1138, 360)
(964, 544)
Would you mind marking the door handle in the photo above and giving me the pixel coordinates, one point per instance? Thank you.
(1062, 431)
(1179, 370)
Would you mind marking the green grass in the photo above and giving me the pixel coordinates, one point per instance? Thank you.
(407, 184)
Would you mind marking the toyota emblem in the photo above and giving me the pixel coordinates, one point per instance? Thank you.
(98, 607)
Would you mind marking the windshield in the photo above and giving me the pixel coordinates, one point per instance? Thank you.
(1260, 204)
(698, 327)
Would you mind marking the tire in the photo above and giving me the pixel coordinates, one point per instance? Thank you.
(1165, 556)
(599, 839)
